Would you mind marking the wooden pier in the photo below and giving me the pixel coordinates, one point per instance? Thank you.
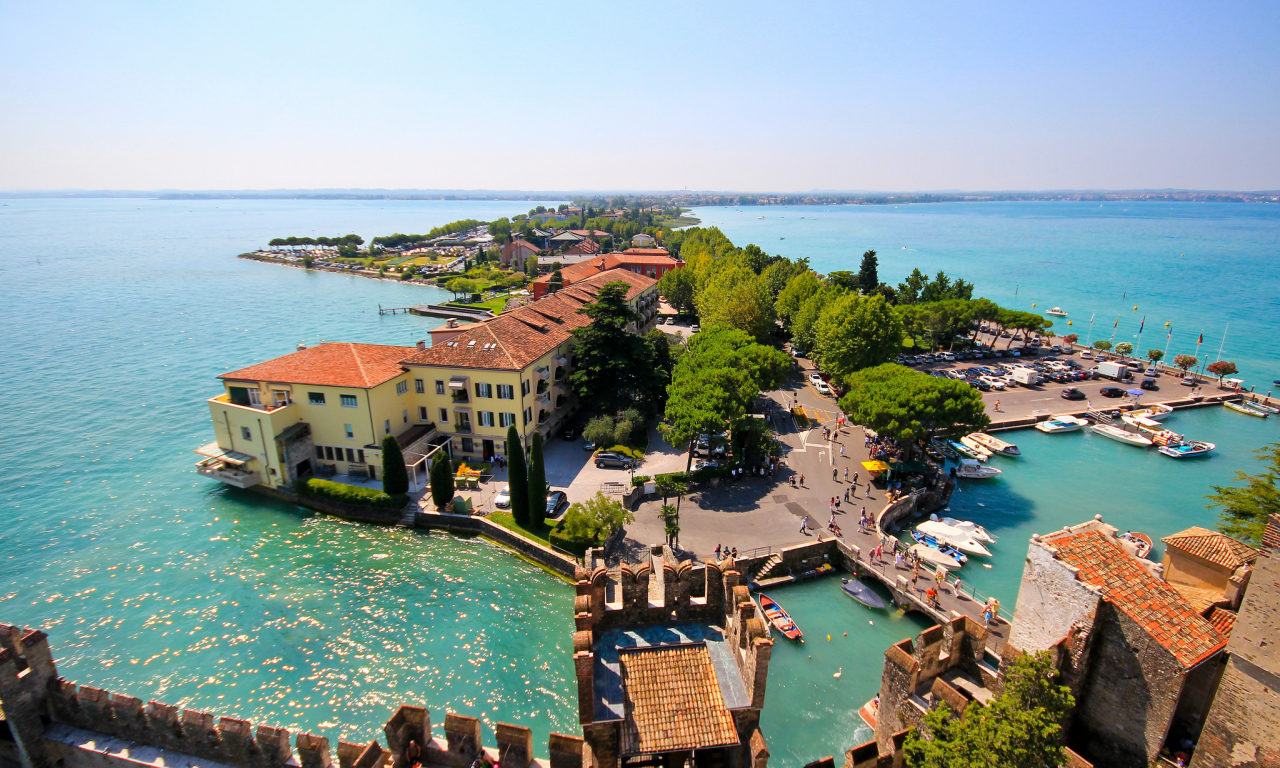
(440, 310)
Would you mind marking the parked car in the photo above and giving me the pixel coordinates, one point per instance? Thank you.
(503, 499)
(1071, 393)
(696, 328)
(815, 378)
(1086, 354)
(570, 432)
(556, 501)
(1151, 372)
(1149, 384)
(822, 387)
(705, 465)
(1188, 381)
(609, 459)
(1111, 392)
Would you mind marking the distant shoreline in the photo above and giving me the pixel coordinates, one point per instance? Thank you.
(372, 274)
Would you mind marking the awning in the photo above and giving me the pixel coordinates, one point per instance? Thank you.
(457, 383)
(875, 466)
(213, 451)
(294, 431)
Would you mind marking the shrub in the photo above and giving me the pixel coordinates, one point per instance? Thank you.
(441, 480)
(640, 479)
(349, 494)
(576, 545)
(625, 451)
(599, 431)
(395, 475)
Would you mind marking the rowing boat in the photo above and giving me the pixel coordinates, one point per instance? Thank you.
(995, 444)
(976, 449)
(780, 619)
(861, 592)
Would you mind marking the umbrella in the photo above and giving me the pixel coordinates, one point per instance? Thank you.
(875, 466)
(1136, 392)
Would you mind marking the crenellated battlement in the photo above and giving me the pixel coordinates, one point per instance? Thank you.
(31, 691)
(657, 591)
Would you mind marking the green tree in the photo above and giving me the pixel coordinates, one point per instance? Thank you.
(556, 282)
(1021, 728)
(600, 431)
(531, 265)
(1186, 362)
(1245, 508)
(745, 305)
(1124, 348)
(857, 332)
(910, 289)
(517, 477)
(678, 287)
(907, 405)
(595, 519)
(395, 476)
(670, 518)
(844, 279)
(613, 368)
(537, 484)
(1102, 345)
(754, 258)
(779, 273)
(1222, 368)
(441, 479)
(308, 261)
(805, 322)
(1155, 355)
(869, 272)
(797, 291)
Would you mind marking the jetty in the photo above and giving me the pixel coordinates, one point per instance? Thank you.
(446, 311)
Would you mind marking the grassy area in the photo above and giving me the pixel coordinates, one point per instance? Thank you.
(494, 305)
(506, 520)
(682, 221)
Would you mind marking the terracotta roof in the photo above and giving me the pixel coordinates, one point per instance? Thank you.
(1199, 599)
(1127, 585)
(1223, 620)
(1215, 547)
(514, 244)
(514, 339)
(333, 365)
(645, 252)
(673, 701)
(647, 258)
(586, 246)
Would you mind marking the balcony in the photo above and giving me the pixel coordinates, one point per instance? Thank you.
(462, 428)
(459, 396)
(542, 374)
(228, 473)
(260, 407)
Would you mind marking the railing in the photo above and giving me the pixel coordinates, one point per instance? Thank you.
(757, 552)
(460, 396)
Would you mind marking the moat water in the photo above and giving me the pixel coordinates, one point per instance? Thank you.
(159, 583)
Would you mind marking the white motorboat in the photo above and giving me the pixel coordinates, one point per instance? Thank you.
(1260, 406)
(933, 556)
(976, 449)
(1140, 420)
(1188, 449)
(994, 444)
(972, 470)
(964, 450)
(1056, 311)
(1058, 424)
(958, 539)
(1156, 412)
(1121, 435)
(967, 526)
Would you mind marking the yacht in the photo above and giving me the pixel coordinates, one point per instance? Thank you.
(958, 539)
(1156, 412)
(1121, 435)
(972, 470)
(933, 556)
(967, 526)
(1057, 424)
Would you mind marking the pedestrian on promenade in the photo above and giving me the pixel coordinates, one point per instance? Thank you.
(835, 474)
(413, 754)
(802, 479)
(855, 478)
(804, 525)
(842, 455)
(846, 474)
(734, 554)
(915, 573)
(717, 552)
(956, 588)
(940, 576)
(997, 405)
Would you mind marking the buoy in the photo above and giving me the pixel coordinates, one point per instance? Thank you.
(846, 634)
(1135, 307)
(872, 623)
(828, 638)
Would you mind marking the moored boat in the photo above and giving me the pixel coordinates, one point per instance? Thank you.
(941, 545)
(963, 450)
(1155, 412)
(1056, 311)
(976, 449)
(969, 527)
(861, 592)
(1121, 435)
(1187, 449)
(1260, 406)
(1141, 542)
(995, 444)
(970, 469)
(956, 538)
(1245, 409)
(933, 556)
(932, 452)
(870, 711)
(779, 618)
(1064, 423)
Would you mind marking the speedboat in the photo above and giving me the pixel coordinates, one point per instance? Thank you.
(976, 449)
(943, 546)
(1121, 435)
(958, 539)
(1245, 409)
(1188, 449)
(861, 592)
(972, 470)
(967, 526)
(963, 450)
(871, 710)
(1141, 542)
(995, 444)
(1156, 412)
(780, 619)
(1058, 424)
(1056, 311)
(933, 556)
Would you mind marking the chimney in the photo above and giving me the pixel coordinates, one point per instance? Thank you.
(302, 347)
(451, 323)
(422, 343)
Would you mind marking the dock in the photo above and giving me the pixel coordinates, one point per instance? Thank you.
(445, 311)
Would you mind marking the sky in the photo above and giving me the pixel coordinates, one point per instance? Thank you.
(786, 97)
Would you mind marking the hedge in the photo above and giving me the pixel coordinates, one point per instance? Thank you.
(625, 451)
(640, 480)
(570, 544)
(349, 494)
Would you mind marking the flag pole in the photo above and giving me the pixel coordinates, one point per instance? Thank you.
(1224, 342)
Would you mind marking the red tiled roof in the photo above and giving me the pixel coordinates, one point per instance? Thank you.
(1215, 547)
(673, 701)
(645, 252)
(511, 246)
(586, 246)
(1223, 620)
(1153, 604)
(333, 365)
(647, 258)
(517, 338)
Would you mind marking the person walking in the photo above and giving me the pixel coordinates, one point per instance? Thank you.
(842, 455)
(855, 478)
(846, 474)
(804, 525)
(956, 587)
(915, 573)
(835, 475)
(802, 479)
(997, 405)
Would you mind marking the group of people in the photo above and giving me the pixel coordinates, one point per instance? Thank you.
(880, 447)
(725, 552)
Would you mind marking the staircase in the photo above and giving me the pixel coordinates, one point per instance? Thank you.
(766, 568)
(410, 517)
(1099, 417)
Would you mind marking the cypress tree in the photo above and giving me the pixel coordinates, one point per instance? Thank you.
(537, 484)
(517, 477)
(395, 476)
(441, 479)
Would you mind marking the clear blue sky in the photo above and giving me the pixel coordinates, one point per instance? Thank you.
(741, 96)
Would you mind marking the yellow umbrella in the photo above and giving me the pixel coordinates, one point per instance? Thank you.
(875, 466)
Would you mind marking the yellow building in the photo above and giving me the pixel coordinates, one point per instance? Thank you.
(323, 411)
(1208, 568)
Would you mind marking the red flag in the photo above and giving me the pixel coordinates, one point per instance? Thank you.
(1201, 340)
(1117, 323)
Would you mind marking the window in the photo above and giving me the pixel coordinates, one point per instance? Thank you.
(524, 387)
(468, 445)
(422, 413)
(386, 425)
(405, 414)
(351, 456)
(484, 390)
(255, 397)
(506, 392)
(444, 415)
(360, 456)
(351, 432)
(328, 453)
(506, 419)
(319, 451)
(402, 387)
(419, 387)
(349, 401)
(245, 433)
(486, 418)
(316, 398)
(528, 415)
(439, 387)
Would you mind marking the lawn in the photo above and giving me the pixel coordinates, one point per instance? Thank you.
(506, 520)
(494, 305)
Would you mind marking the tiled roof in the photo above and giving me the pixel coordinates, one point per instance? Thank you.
(645, 252)
(1223, 620)
(514, 244)
(672, 701)
(517, 338)
(1153, 604)
(586, 246)
(577, 272)
(1212, 546)
(333, 365)
(1199, 599)
(646, 258)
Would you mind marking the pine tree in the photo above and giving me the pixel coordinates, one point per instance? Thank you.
(537, 484)
(395, 476)
(441, 479)
(517, 477)
(868, 274)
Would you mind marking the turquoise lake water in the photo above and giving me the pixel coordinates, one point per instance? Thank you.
(156, 582)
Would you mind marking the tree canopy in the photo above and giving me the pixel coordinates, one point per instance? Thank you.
(678, 287)
(1244, 508)
(796, 292)
(595, 519)
(907, 405)
(857, 332)
(613, 367)
(869, 273)
(1222, 368)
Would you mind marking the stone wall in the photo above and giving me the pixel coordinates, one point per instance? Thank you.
(1052, 602)
(1243, 726)
(562, 564)
(361, 514)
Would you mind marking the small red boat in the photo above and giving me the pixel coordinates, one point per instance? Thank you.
(779, 619)
(869, 712)
(1140, 540)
